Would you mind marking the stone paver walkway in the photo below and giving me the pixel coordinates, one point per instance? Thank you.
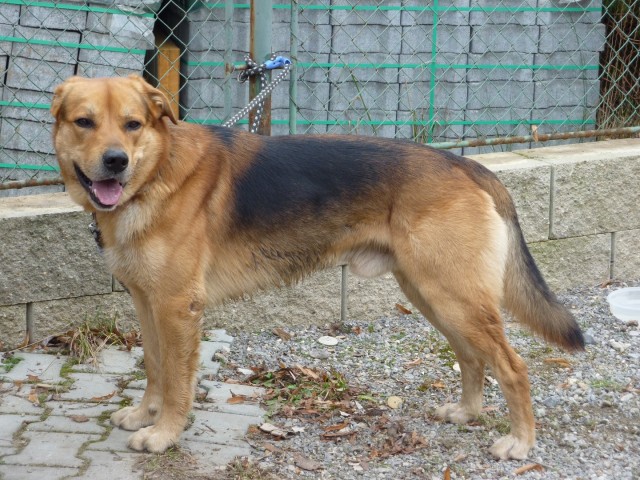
(54, 420)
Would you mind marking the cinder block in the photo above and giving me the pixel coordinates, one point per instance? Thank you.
(570, 15)
(493, 13)
(46, 53)
(595, 186)
(504, 66)
(55, 316)
(449, 96)
(566, 93)
(18, 134)
(206, 93)
(569, 262)
(567, 66)
(448, 67)
(306, 15)
(370, 39)
(31, 74)
(580, 37)
(130, 59)
(214, 12)
(417, 125)
(351, 73)
(208, 35)
(449, 39)
(502, 94)
(9, 14)
(419, 12)
(358, 121)
(13, 326)
(47, 251)
(626, 261)
(504, 38)
(92, 70)
(125, 30)
(28, 97)
(311, 96)
(6, 46)
(350, 96)
(311, 39)
(358, 17)
(529, 183)
(54, 18)
(509, 122)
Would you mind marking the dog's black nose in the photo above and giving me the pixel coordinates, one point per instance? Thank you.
(115, 160)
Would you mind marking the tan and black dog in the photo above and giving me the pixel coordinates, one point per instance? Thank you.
(192, 215)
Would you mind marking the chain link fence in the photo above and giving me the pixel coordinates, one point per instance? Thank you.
(474, 75)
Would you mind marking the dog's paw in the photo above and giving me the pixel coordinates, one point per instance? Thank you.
(152, 439)
(133, 418)
(511, 447)
(455, 413)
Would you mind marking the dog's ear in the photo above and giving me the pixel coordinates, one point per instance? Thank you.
(159, 103)
(58, 96)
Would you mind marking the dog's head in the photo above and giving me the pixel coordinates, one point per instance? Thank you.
(109, 135)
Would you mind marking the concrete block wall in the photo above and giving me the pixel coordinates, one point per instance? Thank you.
(47, 43)
(577, 205)
(534, 65)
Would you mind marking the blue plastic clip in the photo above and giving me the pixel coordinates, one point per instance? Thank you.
(277, 62)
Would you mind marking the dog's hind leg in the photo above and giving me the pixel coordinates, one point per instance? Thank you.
(145, 414)
(471, 367)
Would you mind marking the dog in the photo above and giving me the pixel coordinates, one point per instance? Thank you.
(193, 215)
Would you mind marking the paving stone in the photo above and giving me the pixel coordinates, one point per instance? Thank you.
(45, 367)
(116, 441)
(220, 428)
(92, 386)
(29, 472)
(64, 423)
(112, 465)
(218, 393)
(50, 449)
(112, 360)
(15, 404)
(208, 456)
(91, 410)
(9, 425)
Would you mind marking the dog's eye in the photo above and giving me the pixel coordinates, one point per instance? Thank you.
(133, 125)
(84, 123)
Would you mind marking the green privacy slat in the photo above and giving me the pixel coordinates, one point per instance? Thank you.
(408, 8)
(83, 46)
(16, 166)
(84, 8)
(42, 106)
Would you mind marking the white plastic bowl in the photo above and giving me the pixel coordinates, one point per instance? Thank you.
(625, 303)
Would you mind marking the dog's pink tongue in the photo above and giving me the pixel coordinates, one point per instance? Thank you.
(107, 191)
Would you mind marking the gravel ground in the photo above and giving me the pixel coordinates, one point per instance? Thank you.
(587, 406)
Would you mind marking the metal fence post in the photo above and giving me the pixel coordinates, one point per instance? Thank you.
(260, 49)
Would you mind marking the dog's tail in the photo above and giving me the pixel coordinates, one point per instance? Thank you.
(529, 299)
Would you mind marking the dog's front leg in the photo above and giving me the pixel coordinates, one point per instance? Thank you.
(177, 327)
(145, 414)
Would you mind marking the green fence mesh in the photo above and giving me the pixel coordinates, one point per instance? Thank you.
(440, 72)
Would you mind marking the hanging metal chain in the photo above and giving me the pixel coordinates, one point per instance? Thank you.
(257, 103)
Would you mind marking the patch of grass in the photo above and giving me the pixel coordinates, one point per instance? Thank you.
(245, 469)
(500, 424)
(607, 384)
(10, 362)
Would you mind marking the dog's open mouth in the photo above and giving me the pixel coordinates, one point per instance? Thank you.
(104, 193)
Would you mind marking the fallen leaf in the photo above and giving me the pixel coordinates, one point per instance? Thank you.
(438, 384)
(236, 399)
(402, 309)
(273, 430)
(534, 132)
(103, 397)
(447, 474)
(284, 335)
(339, 426)
(306, 463)
(562, 362)
(79, 418)
(33, 397)
(33, 378)
(269, 447)
(413, 363)
(528, 468)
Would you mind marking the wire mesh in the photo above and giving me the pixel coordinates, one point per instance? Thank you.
(441, 72)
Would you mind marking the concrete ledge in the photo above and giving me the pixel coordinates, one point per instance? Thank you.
(578, 207)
